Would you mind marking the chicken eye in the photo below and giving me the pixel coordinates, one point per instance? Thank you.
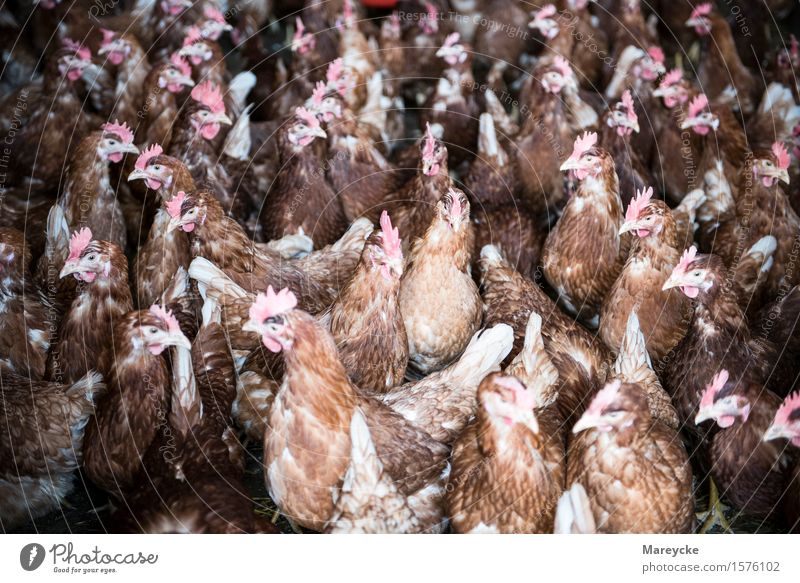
(91, 256)
(112, 142)
(156, 167)
(152, 330)
(696, 274)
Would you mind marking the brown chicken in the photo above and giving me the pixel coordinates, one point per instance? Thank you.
(24, 314)
(591, 220)
(748, 471)
(89, 198)
(307, 442)
(300, 199)
(164, 251)
(663, 314)
(42, 446)
(163, 86)
(580, 358)
(102, 298)
(317, 278)
(508, 465)
(634, 468)
(365, 320)
(786, 426)
(129, 416)
(439, 300)
(500, 216)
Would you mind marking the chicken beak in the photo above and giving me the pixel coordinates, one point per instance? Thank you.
(634, 125)
(69, 268)
(783, 176)
(320, 133)
(703, 415)
(137, 175)
(570, 164)
(658, 92)
(688, 123)
(177, 339)
(672, 281)
(174, 223)
(184, 80)
(628, 226)
(776, 431)
(128, 149)
(587, 421)
(224, 119)
(692, 22)
(251, 326)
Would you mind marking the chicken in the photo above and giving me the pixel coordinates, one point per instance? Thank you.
(102, 298)
(22, 310)
(129, 416)
(317, 278)
(785, 426)
(89, 199)
(634, 468)
(592, 218)
(194, 463)
(544, 139)
(164, 251)
(747, 470)
(46, 134)
(413, 207)
(366, 321)
(580, 358)
(124, 52)
(508, 465)
(439, 300)
(42, 445)
(720, 68)
(616, 137)
(307, 441)
(499, 216)
(664, 315)
(300, 197)
(160, 107)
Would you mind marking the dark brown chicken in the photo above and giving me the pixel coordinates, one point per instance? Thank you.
(102, 299)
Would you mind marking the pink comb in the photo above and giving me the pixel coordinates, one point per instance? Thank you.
(150, 152)
(308, 117)
(301, 42)
(698, 104)
(209, 95)
(335, 70)
(627, 103)
(108, 36)
(451, 40)
(193, 35)
(545, 12)
(781, 155)
(686, 260)
(429, 24)
(638, 204)
(78, 242)
(81, 51)
(272, 304)
(563, 66)
(390, 237)
(174, 205)
(319, 93)
(583, 144)
(656, 54)
(701, 10)
(122, 130)
(213, 14)
(604, 398)
(671, 78)
(181, 64)
(166, 316)
(789, 404)
(713, 388)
